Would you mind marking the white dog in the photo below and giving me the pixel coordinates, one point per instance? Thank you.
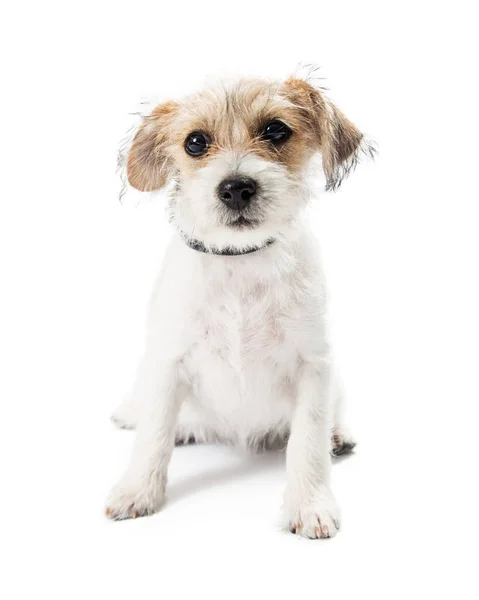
(236, 348)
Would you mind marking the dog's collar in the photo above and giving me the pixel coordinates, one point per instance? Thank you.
(228, 251)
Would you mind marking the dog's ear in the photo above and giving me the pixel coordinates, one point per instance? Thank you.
(338, 140)
(149, 164)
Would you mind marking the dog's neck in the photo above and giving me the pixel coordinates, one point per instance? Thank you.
(199, 246)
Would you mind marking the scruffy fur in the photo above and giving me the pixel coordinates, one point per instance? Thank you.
(236, 349)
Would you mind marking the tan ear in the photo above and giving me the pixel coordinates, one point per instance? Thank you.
(149, 164)
(339, 141)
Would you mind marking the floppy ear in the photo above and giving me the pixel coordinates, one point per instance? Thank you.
(149, 164)
(339, 141)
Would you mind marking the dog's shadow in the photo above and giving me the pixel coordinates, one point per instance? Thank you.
(264, 461)
(271, 461)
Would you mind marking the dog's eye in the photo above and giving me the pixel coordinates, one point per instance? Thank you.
(276, 132)
(197, 143)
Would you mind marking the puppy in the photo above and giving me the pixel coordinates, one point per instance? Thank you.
(236, 349)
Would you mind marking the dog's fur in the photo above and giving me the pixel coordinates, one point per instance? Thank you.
(236, 348)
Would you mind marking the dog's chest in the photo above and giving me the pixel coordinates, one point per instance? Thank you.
(248, 326)
(243, 363)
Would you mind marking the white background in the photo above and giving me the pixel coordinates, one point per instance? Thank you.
(400, 249)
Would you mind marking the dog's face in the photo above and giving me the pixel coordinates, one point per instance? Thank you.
(238, 155)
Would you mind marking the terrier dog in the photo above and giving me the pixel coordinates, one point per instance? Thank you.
(236, 348)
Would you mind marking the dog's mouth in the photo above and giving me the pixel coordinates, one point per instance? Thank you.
(243, 222)
(249, 217)
(246, 219)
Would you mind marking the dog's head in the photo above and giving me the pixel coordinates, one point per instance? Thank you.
(238, 155)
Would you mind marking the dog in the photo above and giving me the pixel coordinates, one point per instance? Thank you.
(236, 347)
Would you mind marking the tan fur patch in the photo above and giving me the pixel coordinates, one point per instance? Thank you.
(149, 162)
(234, 118)
(337, 138)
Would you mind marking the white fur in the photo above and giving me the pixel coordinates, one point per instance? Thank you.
(236, 349)
(198, 213)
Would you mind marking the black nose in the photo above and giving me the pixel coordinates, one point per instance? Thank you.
(236, 193)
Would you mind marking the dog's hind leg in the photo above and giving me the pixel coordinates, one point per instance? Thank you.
(341, 439)
(126, 415)
(193, 428)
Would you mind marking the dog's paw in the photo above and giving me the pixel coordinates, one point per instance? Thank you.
(129, 500)
(314, 518)
(342, 441)
(126, 415)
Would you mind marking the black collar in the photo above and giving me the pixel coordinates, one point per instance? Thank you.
(228, 251)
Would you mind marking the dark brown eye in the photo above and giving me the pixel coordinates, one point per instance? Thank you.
(276, 132)
(197, 143)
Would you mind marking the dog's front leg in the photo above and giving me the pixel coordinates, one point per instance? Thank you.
(141, 490)
(309, 505)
